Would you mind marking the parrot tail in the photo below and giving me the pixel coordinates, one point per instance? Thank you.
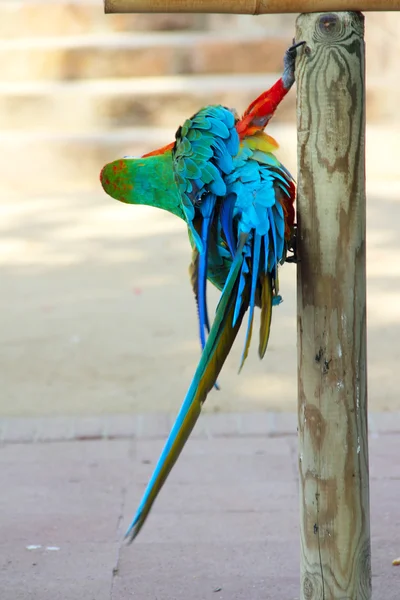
(219, 342)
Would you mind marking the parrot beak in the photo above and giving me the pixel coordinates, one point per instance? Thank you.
(289, 64)
(295, 45)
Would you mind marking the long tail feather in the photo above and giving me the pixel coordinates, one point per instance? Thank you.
(217, 348)
(254, 278)
(266, 312)
(208, 212)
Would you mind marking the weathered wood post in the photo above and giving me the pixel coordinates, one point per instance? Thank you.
(332, 408)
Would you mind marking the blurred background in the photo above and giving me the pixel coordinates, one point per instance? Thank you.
(97, 315)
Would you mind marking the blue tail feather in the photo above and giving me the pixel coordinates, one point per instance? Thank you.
(226, 216)
(207, 210)
(254, 278)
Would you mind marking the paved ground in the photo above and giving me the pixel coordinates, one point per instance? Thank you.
(225, 526)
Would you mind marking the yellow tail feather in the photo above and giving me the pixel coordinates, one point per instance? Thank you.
(266, 313)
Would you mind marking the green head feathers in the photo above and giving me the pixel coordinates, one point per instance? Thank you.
(147, 181)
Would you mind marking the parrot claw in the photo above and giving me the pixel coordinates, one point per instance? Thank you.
(292, 247)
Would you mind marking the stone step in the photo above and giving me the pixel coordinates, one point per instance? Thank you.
(96, 56)
(37, 18)
(36, 163)
(27, 18)
(84, 106)
(150, 101)
(253, 24)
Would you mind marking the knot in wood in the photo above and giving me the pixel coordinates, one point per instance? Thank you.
(331, 28)
(329, 24)
(334, 27)
(308, 589)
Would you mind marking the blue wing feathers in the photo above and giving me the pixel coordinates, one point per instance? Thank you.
(210, 161)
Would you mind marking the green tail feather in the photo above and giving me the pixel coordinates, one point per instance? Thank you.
(217, 348)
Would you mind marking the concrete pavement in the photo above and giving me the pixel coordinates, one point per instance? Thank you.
(225, 526)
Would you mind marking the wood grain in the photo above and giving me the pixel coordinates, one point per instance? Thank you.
(250, 7)
(332, 372)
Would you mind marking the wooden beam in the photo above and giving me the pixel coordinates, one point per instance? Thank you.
(250, 7)
(331, 292)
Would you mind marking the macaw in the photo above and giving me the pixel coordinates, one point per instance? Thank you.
(221, 177)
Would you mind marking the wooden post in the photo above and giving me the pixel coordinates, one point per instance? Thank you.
(333, 431)
(249, 7)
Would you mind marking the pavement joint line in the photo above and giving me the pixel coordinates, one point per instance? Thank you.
(150, 426)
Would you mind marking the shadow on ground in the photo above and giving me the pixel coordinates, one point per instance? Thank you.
(97, 314)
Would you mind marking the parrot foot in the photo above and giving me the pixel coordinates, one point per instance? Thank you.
(292, 247)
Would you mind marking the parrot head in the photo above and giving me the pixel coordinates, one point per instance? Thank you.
(147, 180)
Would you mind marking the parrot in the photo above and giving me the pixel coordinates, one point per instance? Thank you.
(221, 177)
